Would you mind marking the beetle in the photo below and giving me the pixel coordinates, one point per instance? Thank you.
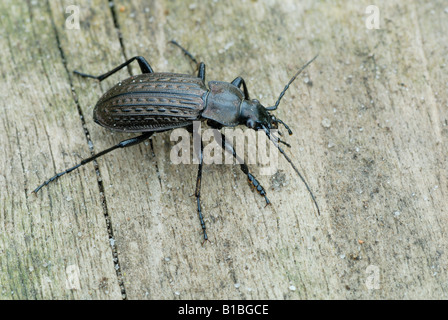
(160, 101)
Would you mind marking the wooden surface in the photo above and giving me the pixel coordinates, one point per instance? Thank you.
(370, 126)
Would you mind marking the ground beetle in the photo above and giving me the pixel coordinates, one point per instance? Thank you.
(156, 102)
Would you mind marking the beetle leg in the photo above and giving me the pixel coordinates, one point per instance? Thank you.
(244, 167)
(144, 66)
(122, 144)
(201, 66)
(201, 71)
(198, 193)
(185, 51)
(237, 82)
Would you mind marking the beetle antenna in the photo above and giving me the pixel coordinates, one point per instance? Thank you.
(281, 141)
(268, 133)
(289, 83)
(284, 124)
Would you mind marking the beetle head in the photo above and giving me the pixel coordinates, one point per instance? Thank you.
(254, 115)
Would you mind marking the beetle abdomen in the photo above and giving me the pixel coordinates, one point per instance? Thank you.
(152, 102)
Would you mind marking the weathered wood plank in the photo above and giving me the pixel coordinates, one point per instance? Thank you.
(54, 245)
(370, 135)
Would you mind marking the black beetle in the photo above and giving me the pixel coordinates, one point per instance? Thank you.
(156, 102)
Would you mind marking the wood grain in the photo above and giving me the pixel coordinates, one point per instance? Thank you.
(369, 118)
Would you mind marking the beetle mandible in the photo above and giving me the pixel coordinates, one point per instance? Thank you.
(159, 101)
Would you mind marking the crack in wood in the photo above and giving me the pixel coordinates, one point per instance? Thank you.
(107, 217)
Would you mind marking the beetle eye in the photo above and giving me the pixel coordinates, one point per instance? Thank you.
(250, 123)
